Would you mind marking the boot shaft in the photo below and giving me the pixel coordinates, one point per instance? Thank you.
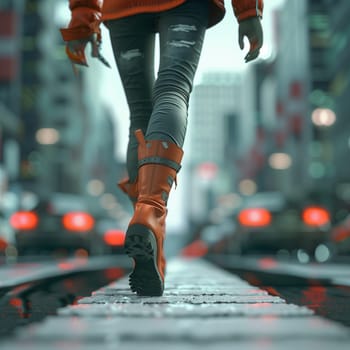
(158, 161)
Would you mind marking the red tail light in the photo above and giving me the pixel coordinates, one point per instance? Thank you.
(24, 220)
(196, 249)
(340, 234)
(114, 237)
(78, 221)
(254, 217)
(315, 216)
(3, 244)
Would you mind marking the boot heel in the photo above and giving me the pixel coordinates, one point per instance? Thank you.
(140, 245)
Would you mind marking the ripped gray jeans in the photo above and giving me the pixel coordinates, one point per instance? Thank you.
(158, 104)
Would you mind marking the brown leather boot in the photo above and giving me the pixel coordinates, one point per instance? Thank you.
(130, 189)
(159, 162)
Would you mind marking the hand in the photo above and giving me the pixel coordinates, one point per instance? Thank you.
(252, 29)
(75, 50)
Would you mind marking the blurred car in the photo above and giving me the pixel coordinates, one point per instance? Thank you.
(7, 248)
(268, 223)
(4, 235)
(111, 234)
(61, 224)
(339, 239)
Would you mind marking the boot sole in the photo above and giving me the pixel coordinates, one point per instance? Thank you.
(140, 245)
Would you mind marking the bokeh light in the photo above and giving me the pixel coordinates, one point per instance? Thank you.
(323, 117)
(47, 136)
(247, 187)
(280, 161)
(95, 187)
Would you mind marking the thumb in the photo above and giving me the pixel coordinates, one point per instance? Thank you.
(94, 48)
(240, 40)
(95, 45)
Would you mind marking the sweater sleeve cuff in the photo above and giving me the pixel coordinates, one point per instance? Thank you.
(78, 33)
(83, 23)
(249, 13)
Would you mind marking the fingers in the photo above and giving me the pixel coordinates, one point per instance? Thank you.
(75, 45)
(251, 28)
(76, 55)
(95, 46)
(75, 50)
(96, 51)
(241, 40)
(254, 51)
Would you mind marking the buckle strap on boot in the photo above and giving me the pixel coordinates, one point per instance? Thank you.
(161, 161)
(159, 153)
(168, 153)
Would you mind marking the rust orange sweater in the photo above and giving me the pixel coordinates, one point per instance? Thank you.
(121, 8)
(88, 14)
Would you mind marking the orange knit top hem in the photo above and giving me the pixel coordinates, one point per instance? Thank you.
(108, 12)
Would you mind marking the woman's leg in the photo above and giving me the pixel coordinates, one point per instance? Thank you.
(160, 153)
(182, 32)
(133, 46)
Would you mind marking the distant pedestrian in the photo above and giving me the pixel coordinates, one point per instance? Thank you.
(158, 105)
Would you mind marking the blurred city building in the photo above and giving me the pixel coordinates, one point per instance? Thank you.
(56, 122)
(10, 88)
(282, 87)
(280, 125)
(339, 87)
(302, 142)
(214, 140)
